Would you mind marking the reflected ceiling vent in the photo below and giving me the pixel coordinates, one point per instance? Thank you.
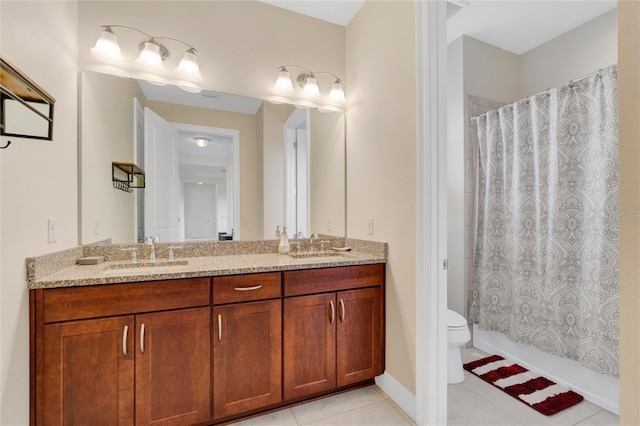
(455, 6)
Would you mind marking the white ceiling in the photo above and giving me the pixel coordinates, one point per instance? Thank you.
(521, 25)
(335, 11)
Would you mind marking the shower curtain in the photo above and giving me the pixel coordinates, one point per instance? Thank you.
(546, 219)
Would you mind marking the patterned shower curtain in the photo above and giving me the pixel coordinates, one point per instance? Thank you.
(546, 250)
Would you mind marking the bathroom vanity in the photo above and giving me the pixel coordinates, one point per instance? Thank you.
(202, 345)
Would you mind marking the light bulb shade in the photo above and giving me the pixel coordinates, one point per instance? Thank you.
(337, 93)
(202, 142)
(311, 89)
(107, 47)
(283, 83)
(188, 67)
(150, 58)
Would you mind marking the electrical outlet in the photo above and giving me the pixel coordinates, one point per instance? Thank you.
(52, 230)
(328, 225)
(97, 226)
(370, 226)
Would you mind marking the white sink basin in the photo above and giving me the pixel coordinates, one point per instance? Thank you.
(307, 255)
(127, 267)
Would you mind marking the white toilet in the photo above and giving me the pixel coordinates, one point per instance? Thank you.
(457, 336)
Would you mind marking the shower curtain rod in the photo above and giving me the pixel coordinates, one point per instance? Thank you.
(546, 91)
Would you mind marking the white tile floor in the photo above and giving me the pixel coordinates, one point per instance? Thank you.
(473, 402)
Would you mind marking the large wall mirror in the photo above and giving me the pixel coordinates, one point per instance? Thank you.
(217, 165)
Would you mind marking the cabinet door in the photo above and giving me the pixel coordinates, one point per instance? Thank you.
(309, 345)
(88, 372)
(359, 335)
(173, 358)
(247, 357)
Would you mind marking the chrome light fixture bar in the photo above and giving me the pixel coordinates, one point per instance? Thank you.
(152, 53)
(308, 82)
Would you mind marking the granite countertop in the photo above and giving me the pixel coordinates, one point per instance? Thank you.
(190, 267)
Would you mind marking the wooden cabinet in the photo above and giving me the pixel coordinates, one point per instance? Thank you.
(88, 372)
(332, 339)
(142, 368)
(359, 335)
(247, 344)
(309, 345)
(202, 350)
(173, 364)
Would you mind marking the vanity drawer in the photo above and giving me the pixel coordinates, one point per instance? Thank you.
(71, 303)
(323, 280)
(245, 288)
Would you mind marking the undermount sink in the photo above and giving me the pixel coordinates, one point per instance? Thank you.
(307, 255)
(137, 266)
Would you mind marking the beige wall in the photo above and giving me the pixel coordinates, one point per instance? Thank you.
(629, 101)
(578, 52)
(381, 160)
(38, 179)
(106, 133)
(240, 43)
(250, 177)
(490, 72)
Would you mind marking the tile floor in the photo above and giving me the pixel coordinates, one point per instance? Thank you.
(473, 402)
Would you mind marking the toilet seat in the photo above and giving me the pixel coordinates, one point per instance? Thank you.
(455, 320)
(457, 335)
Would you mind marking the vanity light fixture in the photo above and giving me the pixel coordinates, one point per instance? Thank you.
(202, 142)
(309, 84)
(152, 53)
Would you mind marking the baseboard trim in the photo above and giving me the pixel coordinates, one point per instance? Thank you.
(398, 393)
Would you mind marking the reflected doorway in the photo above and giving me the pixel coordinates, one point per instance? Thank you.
(296, 176)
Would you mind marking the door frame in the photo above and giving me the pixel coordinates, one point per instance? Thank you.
(431, 247)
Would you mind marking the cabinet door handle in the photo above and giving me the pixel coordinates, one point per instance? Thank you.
(333, 312)
(125, 333)
(257, 287)
(341, 311)
(142, 338)
(219, 328)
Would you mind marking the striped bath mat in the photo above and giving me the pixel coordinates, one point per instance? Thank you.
(536, 391)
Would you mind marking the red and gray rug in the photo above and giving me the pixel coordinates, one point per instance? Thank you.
(536, 391)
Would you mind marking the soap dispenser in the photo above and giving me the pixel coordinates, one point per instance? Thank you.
(283, 247)
(278, 234)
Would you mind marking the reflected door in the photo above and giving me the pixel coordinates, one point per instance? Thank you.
(297, 173)
(200, 211)
(161, 216)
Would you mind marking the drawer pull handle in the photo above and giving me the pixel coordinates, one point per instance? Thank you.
(333, 312)
(219, 328)
(257, 287)
(341, 311)
(125, 333)
(142, 338)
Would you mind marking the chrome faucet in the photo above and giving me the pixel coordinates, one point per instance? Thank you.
(151, 241)
(314, 237)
